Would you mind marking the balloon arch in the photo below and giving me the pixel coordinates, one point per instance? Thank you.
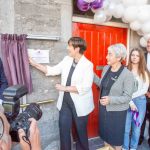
(134, 12)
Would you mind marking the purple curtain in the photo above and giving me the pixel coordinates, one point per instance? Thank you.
(15, 60)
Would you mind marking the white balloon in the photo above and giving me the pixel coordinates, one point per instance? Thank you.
(95, 10)
(99, 17)
(119, 11)
(108, 18)
(146, 27)
(106, 4)
(143, 13)
(135, 25)
(108, 15)
(111, 8)
(141, 2)
(139, 32)
(124, 20)
(143, 42)
(116, 1)
(129, 2)
(134, 2)
(147, 37)
(107, 12)
(130, 13)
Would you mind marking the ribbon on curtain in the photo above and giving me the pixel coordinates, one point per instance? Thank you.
(15, 60)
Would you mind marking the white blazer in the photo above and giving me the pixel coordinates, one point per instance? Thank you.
(82, 79)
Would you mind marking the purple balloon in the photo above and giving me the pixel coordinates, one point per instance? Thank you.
(84, 6)
(97, 4)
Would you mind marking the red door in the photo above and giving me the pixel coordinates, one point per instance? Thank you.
(98, 39)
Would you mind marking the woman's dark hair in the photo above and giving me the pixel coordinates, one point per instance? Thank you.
(78, 42)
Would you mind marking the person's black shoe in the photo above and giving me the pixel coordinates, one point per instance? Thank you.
(140, 140)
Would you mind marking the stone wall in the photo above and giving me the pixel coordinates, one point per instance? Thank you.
(49, 17)
(46, 17)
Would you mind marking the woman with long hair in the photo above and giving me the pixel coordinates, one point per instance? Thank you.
(137, 110)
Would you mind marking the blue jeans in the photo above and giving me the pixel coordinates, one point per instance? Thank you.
(131, 138)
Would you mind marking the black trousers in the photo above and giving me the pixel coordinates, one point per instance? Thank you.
(147, 117)
(67, 115)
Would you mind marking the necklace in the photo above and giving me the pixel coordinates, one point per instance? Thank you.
(74, 63)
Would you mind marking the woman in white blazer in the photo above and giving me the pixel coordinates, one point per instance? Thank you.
(75, 100)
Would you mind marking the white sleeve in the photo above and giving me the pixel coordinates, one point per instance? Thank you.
(1, 101)
(55, 70)
(86, 85)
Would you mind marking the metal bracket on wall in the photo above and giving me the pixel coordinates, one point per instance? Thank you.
(39, 102)
(43, 37)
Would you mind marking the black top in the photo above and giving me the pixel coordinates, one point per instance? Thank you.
(108, 81)
(68, 83)
(67, 98)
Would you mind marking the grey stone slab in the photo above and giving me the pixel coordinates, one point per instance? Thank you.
(144, 146)
(96, 143)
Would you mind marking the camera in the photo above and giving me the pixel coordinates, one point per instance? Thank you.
(11, 104)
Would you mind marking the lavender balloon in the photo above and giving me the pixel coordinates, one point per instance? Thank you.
(97, 4)
(84, 5)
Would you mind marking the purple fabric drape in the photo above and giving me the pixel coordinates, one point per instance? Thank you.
(15, 60)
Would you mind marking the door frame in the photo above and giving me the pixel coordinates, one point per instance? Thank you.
(76, 19)
(112, 24)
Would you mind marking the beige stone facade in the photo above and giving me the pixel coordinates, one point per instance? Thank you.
(44, 17)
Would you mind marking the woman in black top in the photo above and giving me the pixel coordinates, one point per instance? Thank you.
(116, 88)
